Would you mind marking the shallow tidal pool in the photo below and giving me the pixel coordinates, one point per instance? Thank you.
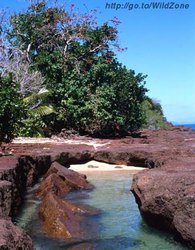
(119, 226)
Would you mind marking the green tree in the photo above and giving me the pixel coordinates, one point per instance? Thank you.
(90, 91)
(105, 99)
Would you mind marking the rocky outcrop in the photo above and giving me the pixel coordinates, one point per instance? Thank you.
(15, 176)
(67, 220)
(54, 184)
(184, 219)
(73, 178)
(138, 157)
(5, 198)
(166, 198)
(171, 152)
(12, 237)
(21, 173)
(60, 180)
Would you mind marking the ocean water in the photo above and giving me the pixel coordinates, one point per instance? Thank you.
(189, 125)
(119, 225)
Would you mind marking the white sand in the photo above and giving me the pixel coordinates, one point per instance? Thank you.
(93, 166)
(96, 143)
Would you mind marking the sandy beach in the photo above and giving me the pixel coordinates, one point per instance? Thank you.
(95, 166)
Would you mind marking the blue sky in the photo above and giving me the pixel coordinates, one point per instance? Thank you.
(161, 44)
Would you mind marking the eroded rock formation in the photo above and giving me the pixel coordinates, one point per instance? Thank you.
(12, 237)
(71, 177)
(62, 219)
(60, 180)
(166, 199)
(165, 194)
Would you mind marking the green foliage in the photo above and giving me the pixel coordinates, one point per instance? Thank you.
(32, 125)
(153, 114)
(104, 100)
(11, 108)
(35, 122)
(88, 90)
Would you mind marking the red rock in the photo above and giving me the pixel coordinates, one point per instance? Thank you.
(5, 198)
(62, 219)
(73, 179)
(12, 237)
(184, 217)
(55, 184)
(167, 200)
(172, 149)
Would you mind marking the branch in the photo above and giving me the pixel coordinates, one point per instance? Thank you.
(28, 50)
(96, 48)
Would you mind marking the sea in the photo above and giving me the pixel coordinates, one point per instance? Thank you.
(189, 126)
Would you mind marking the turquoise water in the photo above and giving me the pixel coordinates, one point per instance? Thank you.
(119, 226)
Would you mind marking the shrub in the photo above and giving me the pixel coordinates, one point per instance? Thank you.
(12, 108)
(153, 114)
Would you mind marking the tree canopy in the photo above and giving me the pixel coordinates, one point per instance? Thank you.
(73, 59)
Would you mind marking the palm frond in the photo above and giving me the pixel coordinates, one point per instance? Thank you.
(44, 110)
(35, 97)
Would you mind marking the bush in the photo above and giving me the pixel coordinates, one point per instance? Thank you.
(153, 115)
(105, 100)
(11, 108)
